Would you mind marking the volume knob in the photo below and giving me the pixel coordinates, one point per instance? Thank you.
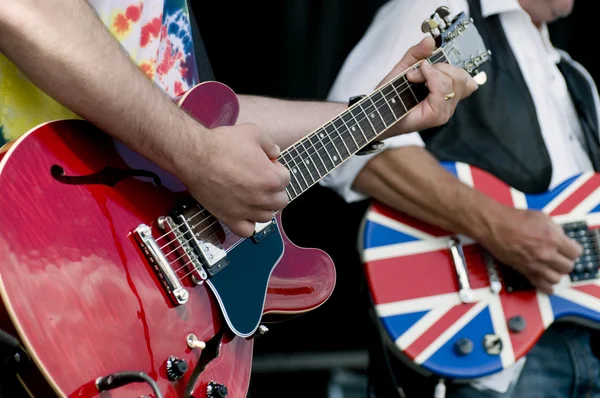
(176, 368)
(216, 390)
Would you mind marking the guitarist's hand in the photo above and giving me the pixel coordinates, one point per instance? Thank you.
(535, 246)
(441, 79)
(233, 174)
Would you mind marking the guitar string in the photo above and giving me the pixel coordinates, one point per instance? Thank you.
(403, 88)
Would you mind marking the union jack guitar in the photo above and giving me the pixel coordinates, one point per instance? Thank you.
(451, 308)
(114, 278)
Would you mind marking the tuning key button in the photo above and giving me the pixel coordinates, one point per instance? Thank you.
(176, 368)
(444, 13)
(216, 390)
(463, 346)
(430, 26)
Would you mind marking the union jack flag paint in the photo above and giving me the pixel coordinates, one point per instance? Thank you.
(414, 285)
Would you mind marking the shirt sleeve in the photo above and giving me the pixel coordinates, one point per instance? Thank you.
(395, 28)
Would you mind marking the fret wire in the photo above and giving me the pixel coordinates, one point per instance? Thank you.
(385, 110)
(399, 98)
(353, 128)
(372, 121)
(324, 147)
(333, 144)
(298, 168)
(349, 133)
(393, 100)
(410, 88)
(377, 109)
(368, 120)
(310, 162)
(295, 167)
(317, 152)
(341, 139)
(359, 126)
(290, 171)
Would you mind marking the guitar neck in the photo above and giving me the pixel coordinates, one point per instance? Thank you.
(318, 154)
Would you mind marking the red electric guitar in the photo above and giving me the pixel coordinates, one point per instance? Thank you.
(114, 278)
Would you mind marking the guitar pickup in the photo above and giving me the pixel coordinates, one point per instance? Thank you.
(199, 234)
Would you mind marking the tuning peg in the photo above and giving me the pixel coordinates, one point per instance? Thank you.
(430, 26)
(444, 13)
(480, 78)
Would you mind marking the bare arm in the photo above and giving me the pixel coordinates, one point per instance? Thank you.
(286, 122)
(412, 181)
(66, 51)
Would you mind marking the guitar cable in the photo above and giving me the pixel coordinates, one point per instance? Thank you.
(119, 379)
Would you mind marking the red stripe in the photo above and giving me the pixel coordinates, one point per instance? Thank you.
(577, 197)
(431, 334)
(422, 275)
(526, 305)
(592, 290)
(408, 220)
(491, 186)
(409, 277)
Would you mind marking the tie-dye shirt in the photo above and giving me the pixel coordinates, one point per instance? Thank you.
(156, 34)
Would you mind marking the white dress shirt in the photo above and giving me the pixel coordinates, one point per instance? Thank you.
(397, 26)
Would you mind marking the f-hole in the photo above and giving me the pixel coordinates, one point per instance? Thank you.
(109, 176)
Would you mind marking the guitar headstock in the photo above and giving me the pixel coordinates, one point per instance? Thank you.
(460, 41)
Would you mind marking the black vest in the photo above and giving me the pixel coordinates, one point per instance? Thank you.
(496, 129)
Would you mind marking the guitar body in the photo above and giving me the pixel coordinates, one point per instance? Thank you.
(80, 292)
(414, 284)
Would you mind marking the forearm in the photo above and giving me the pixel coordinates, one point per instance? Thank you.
(67, 52)
(411, 180)
(287, 121)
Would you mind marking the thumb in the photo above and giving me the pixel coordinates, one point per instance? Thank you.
(419, 51)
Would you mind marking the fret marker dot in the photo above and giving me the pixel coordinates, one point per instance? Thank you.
(393, 100)
(322, 135)
(372, 115)
(307, 161)
(353, 128)
(335, 158)
(294, 171)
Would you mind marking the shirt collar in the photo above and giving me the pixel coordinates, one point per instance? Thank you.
(492, 7)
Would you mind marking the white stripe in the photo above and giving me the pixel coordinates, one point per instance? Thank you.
(409, 248)
(588, 203)
(421, 326)
(545, 309)
(463, 172)
(583, 299)
(554, 203)
(450, 332)
(416, 305)
(518, 198)
(398, 226)
(507, 355)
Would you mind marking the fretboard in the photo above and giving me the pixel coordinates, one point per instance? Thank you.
(319, 153)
